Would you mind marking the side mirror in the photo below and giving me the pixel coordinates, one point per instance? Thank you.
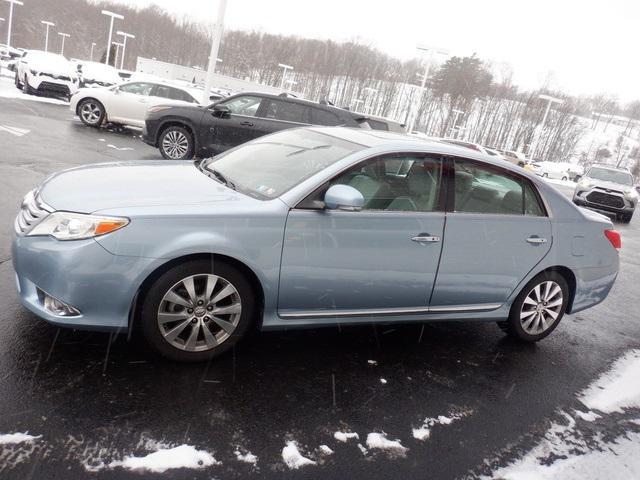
(221, 111)
(343, 197)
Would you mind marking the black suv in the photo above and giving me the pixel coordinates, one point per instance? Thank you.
(182, 132)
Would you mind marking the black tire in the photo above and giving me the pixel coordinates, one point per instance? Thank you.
(626, 217)
(545, 175)
(564, 179)
(176, 143)
(513, 326)
(153, 301)
(17, 82)
(94, 114)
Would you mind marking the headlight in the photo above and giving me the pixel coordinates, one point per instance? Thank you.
(76, 226)
(584, 183)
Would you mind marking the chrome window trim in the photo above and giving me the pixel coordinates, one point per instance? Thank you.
(388, 311)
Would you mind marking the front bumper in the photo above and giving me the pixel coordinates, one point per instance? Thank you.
(581, 198)
(81, 273)
(50, 85)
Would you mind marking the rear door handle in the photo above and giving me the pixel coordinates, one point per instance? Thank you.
(246, 124)
(536, 240)
(425, 238)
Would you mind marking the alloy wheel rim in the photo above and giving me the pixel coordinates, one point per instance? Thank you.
(199, 312)
(541, 307)
(175, 144)
(90, 112)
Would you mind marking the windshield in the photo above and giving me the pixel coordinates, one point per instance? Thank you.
(607, 175)
(274, 164)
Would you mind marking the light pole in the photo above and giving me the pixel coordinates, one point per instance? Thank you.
(124, 45)
(284, 73)
(115, 60)
(455, 120)
(549, 100)
(291, 83)
(432, 52)
(11, 3)
(63, 35)
(93, 44)
(47, 24)
(113, 17)
(218, 28)
(356, 102)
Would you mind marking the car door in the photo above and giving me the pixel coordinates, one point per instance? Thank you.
(379, 260)
(224, 131)
(128, 103)
(496, 232)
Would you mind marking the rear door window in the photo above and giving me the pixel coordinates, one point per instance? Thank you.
(287, 111)
(486, 189)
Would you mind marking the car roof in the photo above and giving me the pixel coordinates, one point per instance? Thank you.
(402, 142)
(304, 101)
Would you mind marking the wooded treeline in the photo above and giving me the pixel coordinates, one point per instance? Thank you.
(491, 109)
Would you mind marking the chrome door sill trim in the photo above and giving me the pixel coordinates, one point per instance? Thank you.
(389, 311)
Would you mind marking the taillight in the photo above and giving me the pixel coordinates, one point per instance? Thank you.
(614, 238)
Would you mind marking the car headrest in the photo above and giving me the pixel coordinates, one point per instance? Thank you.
(463, 181)
(512, 202)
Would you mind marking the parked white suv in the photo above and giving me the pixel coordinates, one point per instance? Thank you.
(45, 72)
(557, 170)
(127, 103)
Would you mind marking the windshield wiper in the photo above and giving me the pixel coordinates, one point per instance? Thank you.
(302, 150)
(222, 179)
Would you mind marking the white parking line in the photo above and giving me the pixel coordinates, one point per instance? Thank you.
(18, 132)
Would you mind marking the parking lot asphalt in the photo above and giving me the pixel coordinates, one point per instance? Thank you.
(93, 399)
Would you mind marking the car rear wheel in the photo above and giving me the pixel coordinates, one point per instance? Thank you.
(564, 179)
(545, 175)
(198, 310)
(538, 308)
(91, 112)
(176, 143)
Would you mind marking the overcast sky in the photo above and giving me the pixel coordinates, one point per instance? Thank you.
(589, 46)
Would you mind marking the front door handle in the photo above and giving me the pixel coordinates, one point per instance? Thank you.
(536, 240)
(246, 124)
(425, 238)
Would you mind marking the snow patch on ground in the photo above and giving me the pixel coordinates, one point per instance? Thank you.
(424, 432)
(569, 452)
(617, 389)
(379, 441)
(564, 183)
(246, 457)
(345, 436)
(9, 90)
(293, 458)
(12, 438)
(183, 456)
(383, 381)
(325, 450)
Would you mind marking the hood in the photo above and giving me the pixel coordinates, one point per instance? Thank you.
(104, 186)
(609, 185)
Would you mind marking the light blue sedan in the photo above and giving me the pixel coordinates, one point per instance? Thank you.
(307, 227)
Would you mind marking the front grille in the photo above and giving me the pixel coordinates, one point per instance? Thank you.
(32, 212)
(605, 199)
(53, 87)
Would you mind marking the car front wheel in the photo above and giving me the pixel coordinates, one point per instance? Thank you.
(538, 308)
(91, 112)
(198, 310)
(176, 143)
(26, 88)
(17, 82)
